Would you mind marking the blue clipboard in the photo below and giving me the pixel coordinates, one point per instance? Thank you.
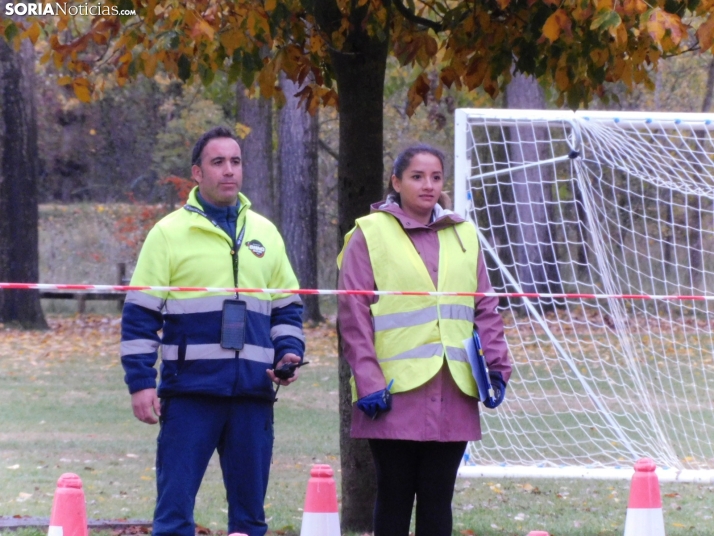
(479, 368)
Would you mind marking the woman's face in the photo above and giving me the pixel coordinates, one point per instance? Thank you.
(420, 186)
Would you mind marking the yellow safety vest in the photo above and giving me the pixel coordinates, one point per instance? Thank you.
(413, 334)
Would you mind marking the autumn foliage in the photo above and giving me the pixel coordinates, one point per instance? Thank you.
(579, 45)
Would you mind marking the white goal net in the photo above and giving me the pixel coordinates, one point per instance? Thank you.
(613, 204)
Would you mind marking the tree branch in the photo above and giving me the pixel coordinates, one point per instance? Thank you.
(329, 150)
(411, 17)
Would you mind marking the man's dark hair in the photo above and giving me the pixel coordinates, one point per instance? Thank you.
(215, 132)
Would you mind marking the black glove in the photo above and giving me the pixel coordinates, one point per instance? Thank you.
(499, 390)
(375, 403)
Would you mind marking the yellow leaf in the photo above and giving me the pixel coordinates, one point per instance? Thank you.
(231, 39)
(64, 80)
(316, 43)
(705, 33)
(475, 73)
(33, 32)
(270, 5)
(599, 56)
(242, 130)
(206, 29)
(634, 7)
(82, 89)
(150, 65)
(562, 80)
(266, 81)
(619, 33)
(256, 24)
(661, 24)
(555, 24)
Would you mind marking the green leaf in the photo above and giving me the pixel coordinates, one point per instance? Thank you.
(675, 6)
(606, 19)
(206, 74)
(11, 31)
(184, 68)
(233, 72)
(125, 5)
(135, 67)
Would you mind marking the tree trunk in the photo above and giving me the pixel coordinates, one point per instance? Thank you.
(359, 72)
(19, 255)
(694, 204)
(532, 193)
(257, 150)
(298, 135)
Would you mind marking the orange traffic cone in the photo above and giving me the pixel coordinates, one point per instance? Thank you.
(538, 533)
(644, 509)
(69, 514)
(320, 516)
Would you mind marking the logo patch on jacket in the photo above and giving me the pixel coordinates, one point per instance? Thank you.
(256, 247)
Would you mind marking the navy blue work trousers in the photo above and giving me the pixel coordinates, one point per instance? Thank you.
(192, 429)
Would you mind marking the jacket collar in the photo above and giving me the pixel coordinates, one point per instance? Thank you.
(242, 199)
(441, 217)
(206, 224)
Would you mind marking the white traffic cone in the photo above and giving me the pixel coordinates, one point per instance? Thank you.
(320, 516)
(644, 509)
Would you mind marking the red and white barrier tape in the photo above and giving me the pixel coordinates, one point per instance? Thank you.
(535, 295)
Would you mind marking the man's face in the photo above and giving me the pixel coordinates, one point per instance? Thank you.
(220, 175)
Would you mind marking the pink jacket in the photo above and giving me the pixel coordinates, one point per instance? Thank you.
(438, 410)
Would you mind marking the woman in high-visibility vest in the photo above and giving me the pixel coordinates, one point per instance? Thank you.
(415, 398)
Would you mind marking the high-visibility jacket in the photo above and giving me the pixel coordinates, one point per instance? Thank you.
(413, 334)
(185, 249)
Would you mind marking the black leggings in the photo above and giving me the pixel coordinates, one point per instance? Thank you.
(426, 469)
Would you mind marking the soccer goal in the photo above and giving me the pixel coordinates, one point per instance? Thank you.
(599, 226)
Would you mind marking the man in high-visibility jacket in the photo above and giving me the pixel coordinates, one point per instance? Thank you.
(219, 351)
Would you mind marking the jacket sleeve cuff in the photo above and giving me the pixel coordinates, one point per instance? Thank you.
(140, 385)
(288, 345)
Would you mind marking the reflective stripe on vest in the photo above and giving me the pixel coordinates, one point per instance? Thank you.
(413, 334)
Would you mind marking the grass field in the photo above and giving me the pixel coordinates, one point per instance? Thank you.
(65, 409)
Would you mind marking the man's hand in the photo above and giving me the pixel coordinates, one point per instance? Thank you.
(287, 358)
(146, 406)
